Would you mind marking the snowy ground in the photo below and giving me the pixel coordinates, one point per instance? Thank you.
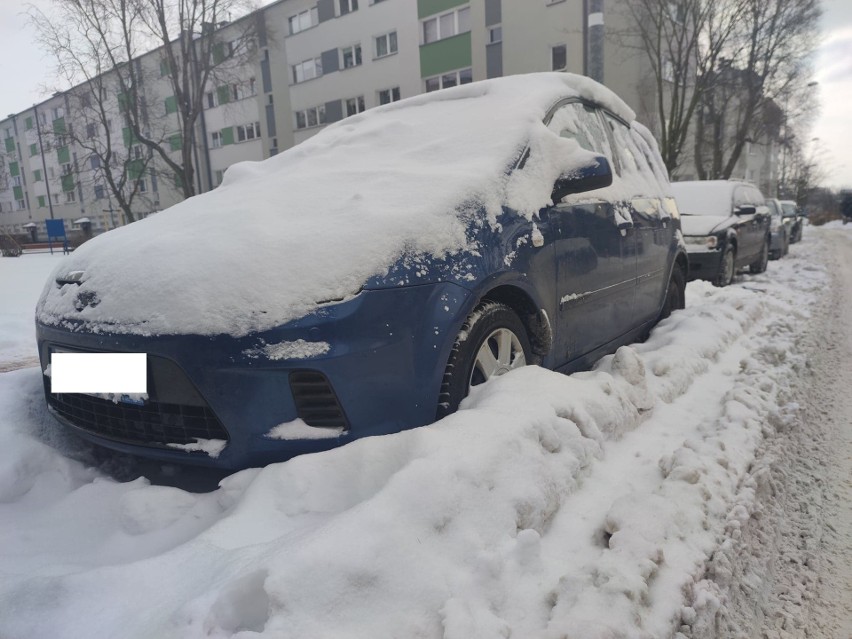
(693, 486)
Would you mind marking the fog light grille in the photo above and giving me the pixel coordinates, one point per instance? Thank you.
(316, 403)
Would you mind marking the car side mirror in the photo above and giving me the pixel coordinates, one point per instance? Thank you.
(746, 209)
(595, 175)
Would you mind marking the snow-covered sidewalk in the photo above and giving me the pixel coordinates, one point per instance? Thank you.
(602, 504)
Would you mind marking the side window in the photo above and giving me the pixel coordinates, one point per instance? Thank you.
(741, 196)
(579, 122)
(626, 151)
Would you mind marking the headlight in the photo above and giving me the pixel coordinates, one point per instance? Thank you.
(710, 241)
(774, 223)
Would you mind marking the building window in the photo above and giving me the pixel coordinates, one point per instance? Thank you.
(211, 99)
(348, 6)
(304, 20)
(91, 131)
(351, 56)
(99, 191)
(21, 205)
(307, 70)
(216, 139)
(95, 162)
(66, 169)
(248, 132)
(445, 25)
(314, 116)
(386, 96)
(447, 80)
(58, 112)
(16, 180)
(70, 196)
(495, 34)
(354, 105)
(386, 44)
(141, 186)
(558, 57)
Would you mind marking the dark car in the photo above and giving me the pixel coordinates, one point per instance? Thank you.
(780, 229)
(795, 218)
(725, 226)
(362, 282)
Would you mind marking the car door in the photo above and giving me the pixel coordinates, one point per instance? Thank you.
(652, 232)
(595, 251)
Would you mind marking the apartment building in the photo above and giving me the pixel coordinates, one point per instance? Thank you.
(313, 62)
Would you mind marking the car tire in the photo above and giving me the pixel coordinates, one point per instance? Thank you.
(759, 266)
(492, 341)
(727, 267)
(675, 293)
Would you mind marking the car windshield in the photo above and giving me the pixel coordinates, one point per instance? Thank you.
(789, 208)
(702, 198)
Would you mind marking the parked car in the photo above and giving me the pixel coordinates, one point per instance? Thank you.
(365, 280)
(725, 226)
(792, 213)
(780, 229)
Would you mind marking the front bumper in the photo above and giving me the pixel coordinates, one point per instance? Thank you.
(383, 355)
(704, 264)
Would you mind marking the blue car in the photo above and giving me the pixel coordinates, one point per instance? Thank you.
(364, 281)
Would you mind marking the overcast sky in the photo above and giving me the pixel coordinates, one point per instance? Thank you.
(27, 74)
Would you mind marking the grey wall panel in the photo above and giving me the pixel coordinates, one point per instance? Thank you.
(325, 10)
(333, 111)
(271, 130)
(494, 60)
(493, 12)
(330, 61)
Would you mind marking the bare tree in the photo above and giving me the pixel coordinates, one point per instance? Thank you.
(683, 40)
(765, 62)
(157, 99)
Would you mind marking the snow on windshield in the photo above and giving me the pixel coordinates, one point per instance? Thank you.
(314, 223)
(711, 197)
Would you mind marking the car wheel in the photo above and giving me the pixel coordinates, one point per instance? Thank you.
(675, 293)
(492, 342)
(760, 265)
(726, 267)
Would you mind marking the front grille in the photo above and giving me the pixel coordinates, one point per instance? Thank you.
(175, 412)
(153, 424)
(316, 403)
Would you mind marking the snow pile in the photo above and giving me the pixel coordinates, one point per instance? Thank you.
(549, 506)
(21, 279)
(316, 222)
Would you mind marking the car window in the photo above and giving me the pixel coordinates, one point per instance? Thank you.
(580, 122)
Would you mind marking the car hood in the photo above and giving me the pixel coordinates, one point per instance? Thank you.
(403, 181)
(705, 224)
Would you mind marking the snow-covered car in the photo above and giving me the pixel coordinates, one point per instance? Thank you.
(365, 280)
(780, 229)
(725, 227)
(794, 215)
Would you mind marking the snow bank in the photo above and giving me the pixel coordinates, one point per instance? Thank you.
(549, 506)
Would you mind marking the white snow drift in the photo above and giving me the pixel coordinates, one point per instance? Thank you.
(549, 506)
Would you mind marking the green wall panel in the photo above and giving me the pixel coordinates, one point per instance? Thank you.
(41, 203)
(68, 182)
(228, 135)
(14, 169)
(18, 192)
(445, 55)
(135, 169)
(33, 149)
(63, 155)
(10, 145)
(59, 126)
(426, 8)
(171, 104)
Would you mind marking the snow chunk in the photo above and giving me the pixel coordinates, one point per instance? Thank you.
(298, 429)
(299, 349)
(210, 446)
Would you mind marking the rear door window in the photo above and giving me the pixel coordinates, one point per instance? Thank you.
(581, 123)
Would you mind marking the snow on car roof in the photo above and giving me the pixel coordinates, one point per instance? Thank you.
(317, 221)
